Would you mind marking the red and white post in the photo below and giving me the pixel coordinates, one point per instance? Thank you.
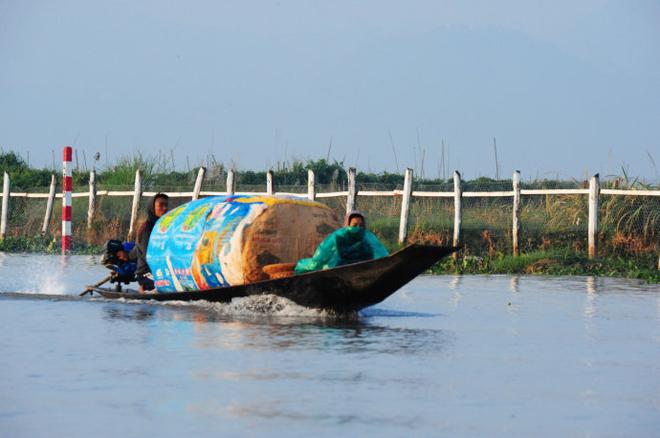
(67, 185)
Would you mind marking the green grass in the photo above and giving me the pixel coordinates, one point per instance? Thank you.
(44, 244)
(555, 262)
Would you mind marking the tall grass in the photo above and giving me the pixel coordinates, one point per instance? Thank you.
(630, 225)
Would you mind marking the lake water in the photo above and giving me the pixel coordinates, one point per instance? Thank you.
(444, 356)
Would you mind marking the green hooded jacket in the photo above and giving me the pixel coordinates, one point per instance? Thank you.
(344, 246)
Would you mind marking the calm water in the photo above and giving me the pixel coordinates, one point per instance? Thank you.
(454, 356)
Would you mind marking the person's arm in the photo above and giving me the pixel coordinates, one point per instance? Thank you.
(377, 248)
(140, 251)
(127, 269)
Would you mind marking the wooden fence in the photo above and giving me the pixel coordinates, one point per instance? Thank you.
(593, 192)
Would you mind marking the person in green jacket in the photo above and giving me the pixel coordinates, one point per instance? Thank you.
(351, 244)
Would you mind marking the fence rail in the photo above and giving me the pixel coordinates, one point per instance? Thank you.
(594, 192)
(416, 194)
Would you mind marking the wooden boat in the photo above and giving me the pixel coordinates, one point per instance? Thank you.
(345, 288)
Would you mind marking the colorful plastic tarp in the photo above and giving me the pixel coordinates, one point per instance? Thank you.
(200, 244)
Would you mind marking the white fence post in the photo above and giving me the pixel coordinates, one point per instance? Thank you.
(515, 229)
(405, 205)
(458, 194)
(198, 183)
(269, 183)
(352, 193)
(5, 206)
(231, 182)
(49, 205)
(594, 193)
(92, 199)
(137, 194)
(311, 185)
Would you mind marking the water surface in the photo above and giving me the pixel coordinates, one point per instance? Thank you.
(458, 356)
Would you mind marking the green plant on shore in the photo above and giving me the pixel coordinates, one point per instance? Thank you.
(44, 244)
(555, 262)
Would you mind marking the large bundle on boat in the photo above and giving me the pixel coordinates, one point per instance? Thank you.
(227, 240)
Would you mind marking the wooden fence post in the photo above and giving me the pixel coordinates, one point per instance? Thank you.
(269, 183)
(5, 206)
(198, 183)
(92, 199)
(137, 194)
(458, 194)
(49, 205)
(405, 205)
(594, 193)
(352, 193)
(311, 185)
(231, 182)
(515, 229)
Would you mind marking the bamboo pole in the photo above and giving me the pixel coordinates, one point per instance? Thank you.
(49, 205)
(92, 199)
(137, 193)
(5, 206)
(594, 193)
(198, 183)
(311, 185)
(352, 193)
(516, 213)
(269, 183)
(231, 182)
(405, 205)
(458, 194)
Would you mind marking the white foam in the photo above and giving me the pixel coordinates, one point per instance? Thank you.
(50, 283)
(255, 305)
(47, 282)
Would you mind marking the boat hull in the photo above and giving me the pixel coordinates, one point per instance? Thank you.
(345, 288)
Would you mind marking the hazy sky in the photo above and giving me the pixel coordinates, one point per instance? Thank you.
(566, 87)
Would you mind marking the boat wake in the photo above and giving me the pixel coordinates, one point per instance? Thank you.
(255, 305)
(265, 305)
(39, 295)
(252, 306)
(48, 283)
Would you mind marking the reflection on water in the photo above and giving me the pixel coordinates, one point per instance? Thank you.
(590, 298)
(455, 281)
(375, 311)
(454, 285)
(592, 287)
(515, 284)
(297, 414)
(349, 334)
(270, 410)
(129, 313)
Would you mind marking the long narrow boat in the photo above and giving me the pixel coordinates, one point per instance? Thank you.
(346, 288)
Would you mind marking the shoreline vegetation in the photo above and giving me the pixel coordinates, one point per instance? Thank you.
(553, 226)
(551, 262)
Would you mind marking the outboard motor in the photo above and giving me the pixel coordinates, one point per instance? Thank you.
(118, 258)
